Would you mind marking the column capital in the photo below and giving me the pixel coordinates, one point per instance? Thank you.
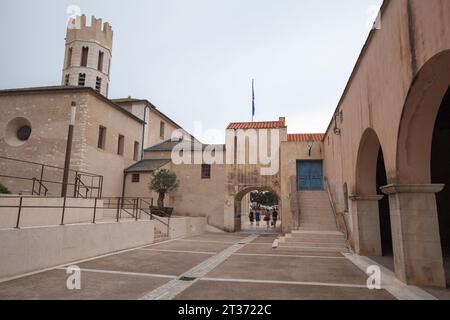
(412, 188)
(356, 197)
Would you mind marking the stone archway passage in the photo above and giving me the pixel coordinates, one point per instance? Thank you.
(241, 224)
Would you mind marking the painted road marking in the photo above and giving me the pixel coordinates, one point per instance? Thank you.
(389, 282)
(180, 251)
(285, 255)
(321, 284)
(153, 275)
(173, 288)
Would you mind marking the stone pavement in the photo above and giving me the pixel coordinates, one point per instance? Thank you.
(205, 267)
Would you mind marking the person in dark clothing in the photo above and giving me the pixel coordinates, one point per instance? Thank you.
(251, 216)
(275, 218)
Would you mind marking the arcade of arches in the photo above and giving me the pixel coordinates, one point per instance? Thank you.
(389, 163)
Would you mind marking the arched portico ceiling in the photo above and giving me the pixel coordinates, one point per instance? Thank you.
(418, 119)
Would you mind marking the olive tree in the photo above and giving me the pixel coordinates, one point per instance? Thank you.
(163, 181)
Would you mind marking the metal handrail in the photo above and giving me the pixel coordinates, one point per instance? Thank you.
(78, 184)
(41, 185)
(153, 216)
(20, 206)
(49, 166)
(97, 180)
(330, 197)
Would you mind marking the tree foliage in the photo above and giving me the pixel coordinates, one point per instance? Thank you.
(163, 181)
(264, 198)
(4, 190)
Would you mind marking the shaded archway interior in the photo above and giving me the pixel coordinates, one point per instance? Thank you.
(370, 177)
(384, 210)
(440, 174)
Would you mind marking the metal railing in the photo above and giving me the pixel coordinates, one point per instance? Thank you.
(48, 178)
(119, 205)
(137, 208)
(338, 216)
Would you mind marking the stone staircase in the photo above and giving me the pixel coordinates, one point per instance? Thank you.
(329, 241)
(316, 212)
(318, 230)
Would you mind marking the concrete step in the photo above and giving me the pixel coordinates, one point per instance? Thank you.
(314, 244)
(285, 246)
(324, 241)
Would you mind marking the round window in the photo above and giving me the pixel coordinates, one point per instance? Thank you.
(24, 133)
(18, 132)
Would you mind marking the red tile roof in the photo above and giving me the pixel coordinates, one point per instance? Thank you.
(281, 124)
(304, 137)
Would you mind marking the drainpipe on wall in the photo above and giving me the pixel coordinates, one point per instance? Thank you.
(143, 129)
(123, 185)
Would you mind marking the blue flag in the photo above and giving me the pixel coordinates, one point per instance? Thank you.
(253, 98)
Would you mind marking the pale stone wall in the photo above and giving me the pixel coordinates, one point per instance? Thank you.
(41, 213)
(107, 162)
(181, 227)
(200, 197)
(141, 189)
(34, 249)
(154, 137)
(48, 113)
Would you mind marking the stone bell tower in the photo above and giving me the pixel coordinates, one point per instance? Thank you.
(88, 54)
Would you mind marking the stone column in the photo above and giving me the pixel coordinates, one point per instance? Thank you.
(415, 234)
(366, 217)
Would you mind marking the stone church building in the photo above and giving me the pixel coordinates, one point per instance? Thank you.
(379, 174)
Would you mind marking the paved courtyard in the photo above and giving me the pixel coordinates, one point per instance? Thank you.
(209, 266)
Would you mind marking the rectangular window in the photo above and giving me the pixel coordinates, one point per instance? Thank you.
(82, 79)
(67, 80)
(120, 145)
(135, 178)
(84, 56)
(69, 57)
(136, 151)
(101, 137)
(206, 171)
(100, 61)
(161, 129)
(98, 84)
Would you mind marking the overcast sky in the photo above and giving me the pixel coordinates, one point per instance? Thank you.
(194, 59)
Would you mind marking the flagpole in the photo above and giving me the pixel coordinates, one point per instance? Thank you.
(253, 99)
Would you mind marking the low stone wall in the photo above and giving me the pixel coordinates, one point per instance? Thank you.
(32, 249)
(186, 226)
(41, 212)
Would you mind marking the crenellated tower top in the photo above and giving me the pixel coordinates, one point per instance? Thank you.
(97, 31)
(88, 54)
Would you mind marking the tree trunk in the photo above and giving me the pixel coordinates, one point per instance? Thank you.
(161, 200)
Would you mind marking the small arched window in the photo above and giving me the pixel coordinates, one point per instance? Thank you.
(84, 56)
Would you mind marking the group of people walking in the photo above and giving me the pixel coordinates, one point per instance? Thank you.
(269, 218)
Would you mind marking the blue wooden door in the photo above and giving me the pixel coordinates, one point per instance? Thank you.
(309, 175)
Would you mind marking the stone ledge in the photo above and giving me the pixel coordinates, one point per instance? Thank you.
(412, 188)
